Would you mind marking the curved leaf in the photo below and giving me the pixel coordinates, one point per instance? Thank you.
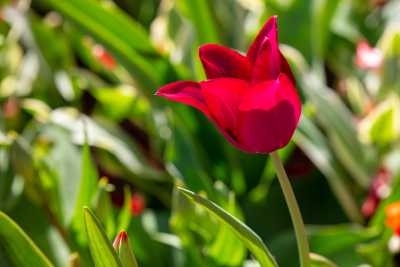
(320, 261)
(250, 239)
(19, 248)
(123, 37)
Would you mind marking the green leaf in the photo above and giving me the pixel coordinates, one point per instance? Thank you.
(227, 249)
(124, 38)
(124, 216)
(87, 189)
(382, 126)
(106, 135)
(101, 249)
(314, 144)
(320, 261)
(19, 248)
(199, 13)
(250, 239)
(322, 14)
(337, 120)
(103, 206)
(340, 242)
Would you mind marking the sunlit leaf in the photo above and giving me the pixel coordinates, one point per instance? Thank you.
(19, 248)
(101, 249)
(87, 189)
(120, 34)
(251, 240)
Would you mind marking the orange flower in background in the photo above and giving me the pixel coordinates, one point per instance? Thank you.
(105, 58)
(393, 217)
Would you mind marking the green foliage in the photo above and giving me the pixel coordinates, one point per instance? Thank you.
(100, 247)
(246, 235)
(79, 126)
(19, 248)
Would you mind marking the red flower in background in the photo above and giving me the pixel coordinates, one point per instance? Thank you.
(138, 204)
(368, 57)
(104, 57)
(380, 189)
(251, 98)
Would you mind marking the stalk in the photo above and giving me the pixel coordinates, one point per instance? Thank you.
(297, 220)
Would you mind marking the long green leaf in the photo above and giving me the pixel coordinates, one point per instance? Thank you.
(101, 249)
(199, 13)
(314, 144)
(87, 189)
(250, 239)
(124, 38)
(19, 248)
(336, 118)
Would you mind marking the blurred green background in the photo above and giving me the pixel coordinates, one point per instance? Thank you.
(77, 79)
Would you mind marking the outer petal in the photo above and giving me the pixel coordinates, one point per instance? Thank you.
(269, 115)
(285, 68)
(219, 61)
(268, 31)
(223, 97)
(186, 92)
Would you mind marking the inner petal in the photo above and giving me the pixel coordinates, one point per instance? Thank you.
(219, 61)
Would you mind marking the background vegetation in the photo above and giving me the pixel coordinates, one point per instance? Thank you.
(79, 126)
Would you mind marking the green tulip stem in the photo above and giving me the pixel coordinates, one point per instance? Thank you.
(297, 220)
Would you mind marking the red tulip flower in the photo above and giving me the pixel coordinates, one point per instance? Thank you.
(250, 98)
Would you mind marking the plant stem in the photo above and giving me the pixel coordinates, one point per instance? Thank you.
(297, 220)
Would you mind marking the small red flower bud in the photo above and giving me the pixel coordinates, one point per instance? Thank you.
(124, 250)
(137, 204)
(104, 57)
(121, 237)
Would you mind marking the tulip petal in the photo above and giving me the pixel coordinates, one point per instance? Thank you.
(269, 31)
(186, 92)
(285, 68)
(267, 65)
(223, 97)
(219, 61)
(268, 115)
